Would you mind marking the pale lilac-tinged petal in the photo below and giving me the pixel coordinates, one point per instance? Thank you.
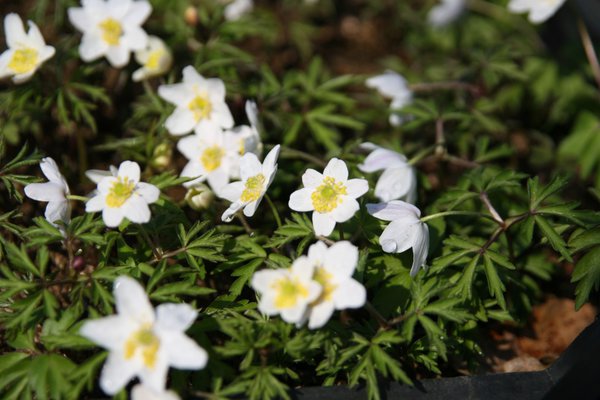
(381, 159)
(395, 183)
(14, 31)
(320, 314)
(156, 378)
(317, 252)
(112, 217)
(312, 179)
(134, 38)
(129, 170)
(261, 280)
(175, 317)
(190, 75)
(118, 56)
(300, 200)
(349, 294)
(116, 373)
(420, 249)
(143, 392)
(389, 84)
(249, 166)
(34, 35)
(179, 94)
(109, 332)
(48, 191)
(345, 210)
(96, 203)
(232, 191)
(393, 210)
(231, 211)
(182, 352)
(92, 47)
(149, 192)
(132, 301)
(341, 259)
(80, 19)
(58, 211)
(136, 210)
(400, 235)
(137, 14)
(357, 187)
(336, 169)
(323, 224)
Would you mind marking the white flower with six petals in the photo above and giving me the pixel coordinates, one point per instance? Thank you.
(539, 10)
(143, 342)
(331, 195)
(155, 59)
(404, 232)
(392, 85)
(26, 51)
(110, 28)
(123, 196)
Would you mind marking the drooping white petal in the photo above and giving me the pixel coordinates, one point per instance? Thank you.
(57, 211)
(380, 159)
(394, 210)
(420, 249)
(395, 183)
(231, 211)
(175, 317)
(400, 235)
(132, 301)
(48, 191)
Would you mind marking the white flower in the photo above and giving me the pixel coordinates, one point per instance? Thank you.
(143, 342)
(331, 195)
(213, 157)
(539, 10)
(26, 51)
(398, 180)
(110, 28)
(200, 104)
(446, 12)
(155, 59)
(55, 192)
(123, 196)
(334, 267)
(143, 392)
(256, 179)
(238, 8)
(287, 291)
(405, 231)
(248, 137)
(394, 86)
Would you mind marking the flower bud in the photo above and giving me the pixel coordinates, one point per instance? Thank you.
(161, 157)
(199, 197)
(191, 16)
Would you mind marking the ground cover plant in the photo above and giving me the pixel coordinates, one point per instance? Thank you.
(213, 199)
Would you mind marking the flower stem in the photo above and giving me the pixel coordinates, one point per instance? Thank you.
(590, 53)
(78, 198)
(273, 210)
(377, 316)
(245, 223)
(155, 251)
(448, 213)
(326, 240)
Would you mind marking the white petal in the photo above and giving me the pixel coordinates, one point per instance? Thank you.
(136, 210)
(134, 38)
(118, 56)
(138, 13)
(249, 166)
(395, 183)
(118, 8)
(51, 171)
(22, 78)
(57, 211)
(179, 94)
(216, 88)
(420, 249)
(217, 180)
(323, 224)
(96, 175)
(48, 191)
(143, 392)
(300, 200)
(132, 301)
(231, 211)
(293, 315)
(232, 191)
(393, 210)
(336, 169)
(380, 159)
(303, 269)
(350, 294)
(390, 84)
(345, 210)
(252, 114)
(317, 252)
(112, 217)
(96, 203)
(270, 161)
(149, 192)
(400, 235)
(191, 147)
(14, 31)
(221, 115)
(108, 332)
(320, 314)
(156, 378)
(236, 9)
(34, 35)
(92, 47)
(176, 317)
(129, 170)
(261, 280)
(183, 352)
(341, 259)
(311, 178)
(190, 75)
(80, 18)
(357, 187)
(251, 207)
(116, 373)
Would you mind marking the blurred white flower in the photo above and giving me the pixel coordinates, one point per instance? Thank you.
(539, 10)
(330, 195)
(143, 392)
(237, 9)
(404, 232)
(110, 28)
(213, 157)
(143, 342)
(256, 179)
(288, 291)
(393, 86)
(156, 59)
(446, 12)
(398, 180)
(55, 192)
(123, 196)
(334, 267)
(26, 51)
(200, 104)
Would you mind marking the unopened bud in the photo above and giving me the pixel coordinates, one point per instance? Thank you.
(191, 16)
(199, 197)
(161, 157)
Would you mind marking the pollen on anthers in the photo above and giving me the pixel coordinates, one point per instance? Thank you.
(120, 192)
(253, 188)
(328, 195)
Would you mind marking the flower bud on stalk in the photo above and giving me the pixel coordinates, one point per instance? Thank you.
(199, 197)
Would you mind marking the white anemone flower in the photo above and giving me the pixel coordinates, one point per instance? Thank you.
(398, 181)
(392, 85)
(256, 179)
(123, 196)
(200, 104)
(156, 59)
(142, 341)
(287, 291)
(237, 9)
(331, 195)
(539, 10)
(334, 267)
(446, 12)
(143, 392)
(110, 28)
(404, 232)
(213, 157)
(55, 192)
(26, 51)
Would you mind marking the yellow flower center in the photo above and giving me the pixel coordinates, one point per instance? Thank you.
(324, 278)
(120, 191)
(328, 196)
(201, 107)
(111, 31)
(23, 61)
(211, 158)
(254, 188)
(289, 292)
(144, 342)
(153, 61)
